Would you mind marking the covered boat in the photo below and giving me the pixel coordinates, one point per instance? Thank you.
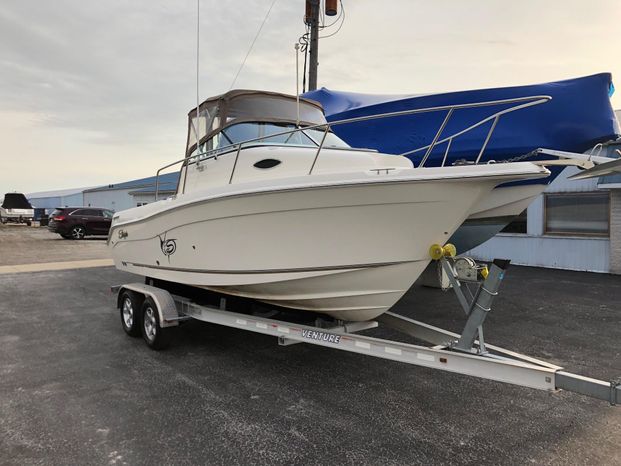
(16, 208)
(578, 116)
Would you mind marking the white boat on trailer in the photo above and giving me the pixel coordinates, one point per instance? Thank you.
(297, 223)
(273, 206)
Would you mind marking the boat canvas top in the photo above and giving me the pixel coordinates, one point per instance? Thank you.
(15, 201)
(242, 105)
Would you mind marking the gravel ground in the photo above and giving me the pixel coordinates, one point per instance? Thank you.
(74, 389)
(21, 244)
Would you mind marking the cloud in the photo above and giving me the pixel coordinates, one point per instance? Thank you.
(112, 82)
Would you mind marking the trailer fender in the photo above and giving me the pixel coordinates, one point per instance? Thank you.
(166, 308)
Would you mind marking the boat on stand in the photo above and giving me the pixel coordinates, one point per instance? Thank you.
(272, 205)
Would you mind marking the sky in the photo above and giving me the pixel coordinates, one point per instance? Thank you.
(95, 93)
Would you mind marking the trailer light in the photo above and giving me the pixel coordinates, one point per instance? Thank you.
(444, 360)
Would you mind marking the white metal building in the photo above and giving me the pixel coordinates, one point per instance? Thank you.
(574, 225)
(59, 198)
(147, 195)
(120, 196)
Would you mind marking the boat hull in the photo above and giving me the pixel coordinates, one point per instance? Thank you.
(349, 251)
(493, 213)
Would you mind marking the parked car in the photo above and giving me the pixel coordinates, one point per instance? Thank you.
(78, 222)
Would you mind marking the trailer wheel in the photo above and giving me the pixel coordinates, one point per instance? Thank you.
(156, 337)
(129, 307)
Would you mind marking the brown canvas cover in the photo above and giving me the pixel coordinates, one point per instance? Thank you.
(240, 105)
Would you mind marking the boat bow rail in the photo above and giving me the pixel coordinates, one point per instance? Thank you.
(516, 104)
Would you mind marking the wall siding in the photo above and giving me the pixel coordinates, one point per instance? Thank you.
(143, 197)
(114, 199)
(570, 253)
(74, 200)
(615, 231)
(46, 202)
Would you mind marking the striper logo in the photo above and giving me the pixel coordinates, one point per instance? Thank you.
(168, 246)
(321, 336)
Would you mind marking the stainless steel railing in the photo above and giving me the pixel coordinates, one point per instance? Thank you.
(521, 103)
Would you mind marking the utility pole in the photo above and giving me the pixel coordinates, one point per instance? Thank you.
(313, 21)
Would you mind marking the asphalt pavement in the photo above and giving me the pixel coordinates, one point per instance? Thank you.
(74, 389)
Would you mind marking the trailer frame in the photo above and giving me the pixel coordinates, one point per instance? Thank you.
(465, 353)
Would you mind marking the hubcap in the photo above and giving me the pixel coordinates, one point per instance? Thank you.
(150, 324)
(128, 313)
(78, 233)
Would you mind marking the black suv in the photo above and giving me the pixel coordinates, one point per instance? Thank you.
(78, 222)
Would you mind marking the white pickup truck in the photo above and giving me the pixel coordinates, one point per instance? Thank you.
(15, 208)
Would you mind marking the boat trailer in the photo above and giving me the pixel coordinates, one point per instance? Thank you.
(151, 311)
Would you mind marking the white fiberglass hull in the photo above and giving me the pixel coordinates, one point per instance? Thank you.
(348, 248)
(507, 201)
(493, 213)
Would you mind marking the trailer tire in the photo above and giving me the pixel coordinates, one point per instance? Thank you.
(154, 335)
(130, 304)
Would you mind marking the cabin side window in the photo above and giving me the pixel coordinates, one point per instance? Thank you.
(270, 133)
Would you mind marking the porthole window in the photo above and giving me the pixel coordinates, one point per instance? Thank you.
(267, 163)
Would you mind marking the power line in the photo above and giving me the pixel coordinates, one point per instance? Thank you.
(252, 44)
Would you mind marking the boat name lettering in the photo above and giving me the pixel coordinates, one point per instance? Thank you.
(322, 336)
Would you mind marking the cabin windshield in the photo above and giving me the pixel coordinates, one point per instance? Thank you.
(240, 132)
(239, 115)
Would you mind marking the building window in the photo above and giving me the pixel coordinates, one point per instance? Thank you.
(585, 214)
(517, 225)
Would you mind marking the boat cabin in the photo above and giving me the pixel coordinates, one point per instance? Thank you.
(242, 115)
(247, 136)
